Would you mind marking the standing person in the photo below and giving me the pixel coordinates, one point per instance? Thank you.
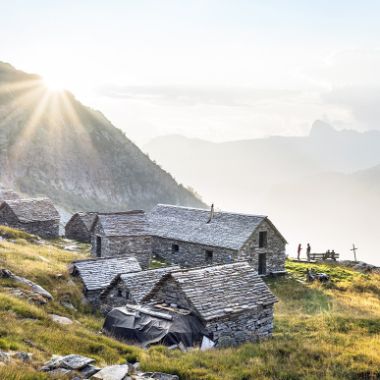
(308, 251)
(299, 249)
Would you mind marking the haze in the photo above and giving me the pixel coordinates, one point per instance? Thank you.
(227, 71)
(217, 70)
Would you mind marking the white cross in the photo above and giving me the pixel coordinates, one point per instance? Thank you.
(354, 249)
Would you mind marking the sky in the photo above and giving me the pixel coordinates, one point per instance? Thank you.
(211, 69)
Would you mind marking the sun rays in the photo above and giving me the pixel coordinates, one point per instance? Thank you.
(30, 110)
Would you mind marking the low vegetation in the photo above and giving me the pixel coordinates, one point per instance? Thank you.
(322, 331)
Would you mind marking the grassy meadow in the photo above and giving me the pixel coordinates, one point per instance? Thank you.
(321, 331)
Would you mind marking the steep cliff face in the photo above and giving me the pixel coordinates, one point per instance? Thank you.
(50, 144)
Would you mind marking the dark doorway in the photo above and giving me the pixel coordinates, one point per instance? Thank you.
(209, 256)
(98, 246)
(263, 239)
(262, 263)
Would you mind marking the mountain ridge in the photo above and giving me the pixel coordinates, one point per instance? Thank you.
(53, 145)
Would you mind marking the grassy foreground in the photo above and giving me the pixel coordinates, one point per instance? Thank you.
(322, 332)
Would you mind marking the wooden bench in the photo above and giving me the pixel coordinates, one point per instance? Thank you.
(321, 256)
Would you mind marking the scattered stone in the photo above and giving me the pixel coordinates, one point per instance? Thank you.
(60, 372)
(89, 371)
(4, 357)
(26, 357)
(35, 288)
(113, 372)
(75, 362)
(159, 376)
(52, 364)
(68, 305)
(61, 320)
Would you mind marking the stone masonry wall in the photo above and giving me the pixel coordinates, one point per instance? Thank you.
(76, 230)
(189, 254)
(137, 246)
(249, 326)
(170, 293)
(118, 296)
(275, 250)
(46, 229)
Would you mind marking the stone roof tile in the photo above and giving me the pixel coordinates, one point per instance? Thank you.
(140, 283)
(226, 229)
(219, 290)
(96, 274)
(32, 209)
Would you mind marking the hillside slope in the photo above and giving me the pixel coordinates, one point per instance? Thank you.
(321, 332)
(52, 145)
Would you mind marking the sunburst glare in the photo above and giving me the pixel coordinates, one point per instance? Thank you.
(54, 83)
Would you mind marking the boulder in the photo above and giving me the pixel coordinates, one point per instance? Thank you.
(61, 320)
(35, 288)
(113, 372)
(23, 356)
(75, 362)
(88, 371)
(4, 357)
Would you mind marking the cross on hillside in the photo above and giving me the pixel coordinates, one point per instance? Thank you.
(354, 249)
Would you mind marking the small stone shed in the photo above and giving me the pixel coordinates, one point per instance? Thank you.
(79, 226)
(36, 216)
(194, 237)
(97, 274)
(232, 301)
(132, 287)
(122, 233)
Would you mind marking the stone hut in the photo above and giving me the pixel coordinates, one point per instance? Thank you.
(122, 233)
(36, 216)
(194, 237)
(232, 301)
(97, 274)
(79, 226)
(132, 287)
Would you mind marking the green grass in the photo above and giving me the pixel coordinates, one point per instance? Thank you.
(321, 331)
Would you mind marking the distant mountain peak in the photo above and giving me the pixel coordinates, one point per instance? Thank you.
(321, 128)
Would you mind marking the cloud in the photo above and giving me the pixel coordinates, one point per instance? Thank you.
(195, 95)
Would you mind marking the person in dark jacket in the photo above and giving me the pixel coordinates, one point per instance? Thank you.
(308, 251)
(299, 249)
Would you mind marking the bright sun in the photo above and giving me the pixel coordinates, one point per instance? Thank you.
(54, 82)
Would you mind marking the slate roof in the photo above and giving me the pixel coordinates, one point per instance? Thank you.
(129, 223)
(219, 290)
(32, 209)
(140, 283)
(96, 274)
(226, 229)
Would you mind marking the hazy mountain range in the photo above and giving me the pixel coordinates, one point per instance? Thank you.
(322, 188)
(52, 145)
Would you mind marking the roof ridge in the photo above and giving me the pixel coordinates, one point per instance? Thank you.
(95, 259)
(235, 263)
(152, 270)
(122, 212)
(207, 210)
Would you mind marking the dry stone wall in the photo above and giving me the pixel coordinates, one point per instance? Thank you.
(137, 246)
(275, 249)
(76, 230)
(251, 325)
(189, 254)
